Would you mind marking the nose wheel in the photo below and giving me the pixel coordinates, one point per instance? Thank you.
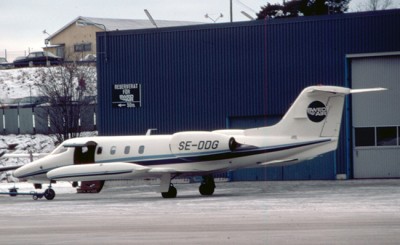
(49, 194)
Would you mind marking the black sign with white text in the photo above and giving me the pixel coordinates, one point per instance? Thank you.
(126, 95)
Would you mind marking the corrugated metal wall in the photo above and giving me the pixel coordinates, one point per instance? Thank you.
(194, 78)
(378, 110)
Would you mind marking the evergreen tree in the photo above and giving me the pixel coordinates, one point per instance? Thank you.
(297, 8)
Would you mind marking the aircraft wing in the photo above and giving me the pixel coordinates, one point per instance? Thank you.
(104, 171)
(8, 168)
(18, 155)
(279, 163)
(23, 155)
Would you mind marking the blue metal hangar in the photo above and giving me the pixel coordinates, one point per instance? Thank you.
(246, 74)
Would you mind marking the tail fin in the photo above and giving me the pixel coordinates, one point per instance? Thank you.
(317, 112)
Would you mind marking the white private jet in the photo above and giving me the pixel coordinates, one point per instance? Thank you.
(309, 128)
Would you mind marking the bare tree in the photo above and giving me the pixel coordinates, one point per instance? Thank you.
(373, 5)
(70, 88)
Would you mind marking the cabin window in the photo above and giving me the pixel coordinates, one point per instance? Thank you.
(113, 150)
(127, 149)
(99, 150)
(141, 149)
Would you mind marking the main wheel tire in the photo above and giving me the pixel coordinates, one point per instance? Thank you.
(206, 190)
(171, 192)
(49, 194)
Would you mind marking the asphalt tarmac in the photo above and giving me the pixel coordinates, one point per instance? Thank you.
(293, 212)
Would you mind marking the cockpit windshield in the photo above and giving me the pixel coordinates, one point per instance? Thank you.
(60, 149)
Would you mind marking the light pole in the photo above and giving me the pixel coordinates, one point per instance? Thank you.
(207, 16)
(46, 42)
(247, 15)
(84, 23)
(150, 18)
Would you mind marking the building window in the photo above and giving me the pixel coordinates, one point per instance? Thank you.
(377, 136)
(386, 136)
(364, 136)
(83, 47)
(60, 51)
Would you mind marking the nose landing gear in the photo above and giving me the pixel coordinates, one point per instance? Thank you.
(49, 193)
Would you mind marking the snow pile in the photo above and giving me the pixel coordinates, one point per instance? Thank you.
(18, 83)
(24, 145)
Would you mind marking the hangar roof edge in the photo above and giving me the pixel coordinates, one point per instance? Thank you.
(259, 22)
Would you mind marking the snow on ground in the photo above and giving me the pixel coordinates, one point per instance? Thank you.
(18, 83)
(276, 212)
(25, 144)
(37, 143)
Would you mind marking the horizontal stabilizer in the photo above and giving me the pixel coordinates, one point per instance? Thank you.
(342, 90)
(365, 90)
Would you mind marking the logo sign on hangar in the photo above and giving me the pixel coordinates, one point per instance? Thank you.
(126, 95)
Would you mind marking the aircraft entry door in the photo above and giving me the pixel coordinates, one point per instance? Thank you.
(85, 154)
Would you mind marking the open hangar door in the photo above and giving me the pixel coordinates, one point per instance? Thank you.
(376, 116)
(320, 168)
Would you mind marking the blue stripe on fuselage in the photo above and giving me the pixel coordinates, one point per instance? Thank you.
(202, 157)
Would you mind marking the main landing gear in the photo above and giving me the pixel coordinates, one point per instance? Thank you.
(206, 188)
(171, 192)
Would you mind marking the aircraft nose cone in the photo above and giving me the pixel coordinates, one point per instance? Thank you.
(22, 172)
(18, 172)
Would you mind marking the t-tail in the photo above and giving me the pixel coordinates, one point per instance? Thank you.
(316, 113)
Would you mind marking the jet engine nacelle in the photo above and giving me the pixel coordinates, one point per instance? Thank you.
(195, 143)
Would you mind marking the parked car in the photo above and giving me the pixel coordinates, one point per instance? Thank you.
(39, 58)
(4, 64)
(89, 57)
(23, 102)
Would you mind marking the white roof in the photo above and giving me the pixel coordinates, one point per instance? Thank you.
(124, 24)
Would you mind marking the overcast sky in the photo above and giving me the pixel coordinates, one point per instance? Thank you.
(22, 22)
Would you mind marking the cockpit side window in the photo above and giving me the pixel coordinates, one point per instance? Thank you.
(59, 149)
